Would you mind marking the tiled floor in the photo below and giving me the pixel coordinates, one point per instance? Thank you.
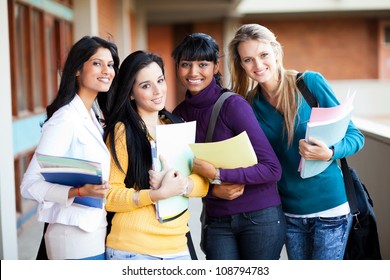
(29, 238)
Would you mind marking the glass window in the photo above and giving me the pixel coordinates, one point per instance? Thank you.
(22, 57)
(40, 39)
(37, 39)
(37, 69)
(51, 64)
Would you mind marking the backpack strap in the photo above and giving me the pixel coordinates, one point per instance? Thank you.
(348, 182)
(173, 118)
(349, 187)
(214, 115)
(209, 137)
(306, 93)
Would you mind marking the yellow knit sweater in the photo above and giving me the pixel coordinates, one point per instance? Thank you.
(136, 228)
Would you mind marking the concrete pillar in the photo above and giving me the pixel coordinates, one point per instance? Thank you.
(141, 27)
(8, 230)
(123, 39)
(229, 28)
(85, 18)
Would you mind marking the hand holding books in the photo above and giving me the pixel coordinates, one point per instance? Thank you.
(178, 155)
(169, 185)
(315, 149)
(327, 125)
(85, 176)
(90, 190)
(168, 181)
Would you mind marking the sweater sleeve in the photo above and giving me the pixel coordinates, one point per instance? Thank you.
(201, 186)
(120, 198)
(240, 117)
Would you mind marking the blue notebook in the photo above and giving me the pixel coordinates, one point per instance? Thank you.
(76, 179)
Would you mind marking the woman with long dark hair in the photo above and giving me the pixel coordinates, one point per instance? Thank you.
(138, 107)
(72, 129)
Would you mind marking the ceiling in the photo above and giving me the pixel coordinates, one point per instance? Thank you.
(180, 11)
(164, 11)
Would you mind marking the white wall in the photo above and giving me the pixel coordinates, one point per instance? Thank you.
(372, 97)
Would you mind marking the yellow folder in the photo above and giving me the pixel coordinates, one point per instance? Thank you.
(230, 153)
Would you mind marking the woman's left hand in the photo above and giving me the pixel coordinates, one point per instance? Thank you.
(316, 150)
(228, 191)
(156, 177)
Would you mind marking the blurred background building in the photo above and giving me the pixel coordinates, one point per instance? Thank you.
(347, 41)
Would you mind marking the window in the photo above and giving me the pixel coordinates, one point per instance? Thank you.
(39, 41)
(21, 58)
(37, 79)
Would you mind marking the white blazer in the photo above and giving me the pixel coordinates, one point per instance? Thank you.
(70, 132)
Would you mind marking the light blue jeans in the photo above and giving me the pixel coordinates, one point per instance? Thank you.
(97, 257)
(112, 254)
(317, 238)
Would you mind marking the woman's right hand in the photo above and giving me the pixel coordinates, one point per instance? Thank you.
(228, 191)
(90, 190)
(203, 168)
(174, 183)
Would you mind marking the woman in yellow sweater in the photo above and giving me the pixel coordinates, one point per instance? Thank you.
(137, 107)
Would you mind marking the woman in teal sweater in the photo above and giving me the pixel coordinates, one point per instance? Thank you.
(316, 208)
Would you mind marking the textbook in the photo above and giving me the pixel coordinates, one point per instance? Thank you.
(72, 172)
(172, 142)
(328, 125)
(230, 153)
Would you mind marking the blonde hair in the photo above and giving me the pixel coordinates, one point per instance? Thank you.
(242, 84)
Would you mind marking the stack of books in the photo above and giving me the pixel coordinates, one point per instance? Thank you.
(72, 172)
(328, 125)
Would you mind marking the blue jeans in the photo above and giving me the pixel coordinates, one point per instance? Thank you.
(97, 257)
(317, 238)
(258, 235)
(112, 254)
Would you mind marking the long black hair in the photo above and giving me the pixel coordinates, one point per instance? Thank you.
(124, 110)
(80, 52)
(198, 47)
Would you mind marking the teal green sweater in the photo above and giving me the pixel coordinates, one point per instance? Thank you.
(325, 190)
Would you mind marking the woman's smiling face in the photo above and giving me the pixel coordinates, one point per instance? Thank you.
(196, 75)
(150, 89)
(258, 59)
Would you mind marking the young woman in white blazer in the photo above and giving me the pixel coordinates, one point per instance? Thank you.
(72, 129)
